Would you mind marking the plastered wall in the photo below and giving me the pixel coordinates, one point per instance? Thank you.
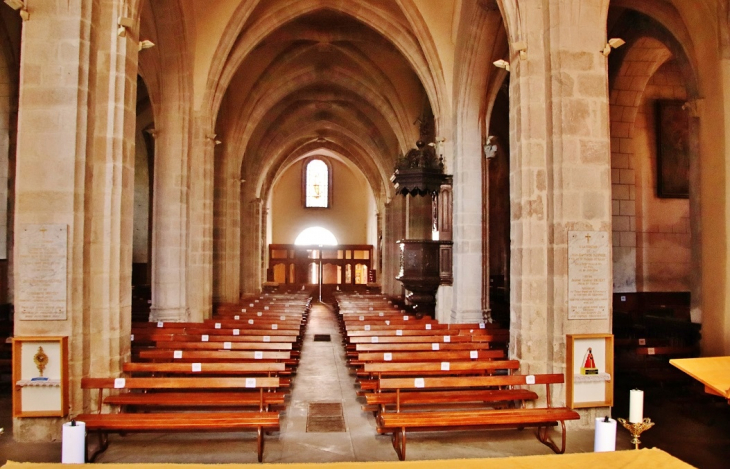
(349, 217)
(662, 224)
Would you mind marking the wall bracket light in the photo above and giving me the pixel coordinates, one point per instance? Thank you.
(124, 24)
(501, 63)
(613, 43)
(521, 47)
(146, 44)
(19, 5)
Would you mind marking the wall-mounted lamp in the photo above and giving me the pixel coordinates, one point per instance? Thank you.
(153, 132)
(124, 24)
(438, 142)
(212, 138)
(490, 147)
(521, 47)
(19, 5)
(613, 43)
(501, 63)
(146, 44)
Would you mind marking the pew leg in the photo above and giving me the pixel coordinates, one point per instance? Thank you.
(260, 444)
(399, 442)
(542, 435)
(103, 445)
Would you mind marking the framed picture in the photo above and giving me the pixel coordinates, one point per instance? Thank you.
(40, 376)
(589, 370)
(672, 135)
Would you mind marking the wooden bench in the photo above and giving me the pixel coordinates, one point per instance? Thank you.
(196, 336)
(208, 368)
(383, 400)
(400, 421)
(433, 355)
(415, 347)
(369, 376)
(239, 351)
(103, 424)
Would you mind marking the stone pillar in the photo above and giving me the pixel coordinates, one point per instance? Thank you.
(695, 108)
(200, 243)
(171, 222)
(78, 92)
(252, 243)
(227, 228)
(393, 231)
(559, 171)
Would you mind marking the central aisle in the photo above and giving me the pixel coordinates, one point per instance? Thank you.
(322, 376)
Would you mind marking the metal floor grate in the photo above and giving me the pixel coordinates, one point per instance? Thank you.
(322, 338)
(325, 417)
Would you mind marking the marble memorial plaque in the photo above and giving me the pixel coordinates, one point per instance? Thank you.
(41, 286)
(589, 275)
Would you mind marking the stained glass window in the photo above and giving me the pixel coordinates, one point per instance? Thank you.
(317, 184)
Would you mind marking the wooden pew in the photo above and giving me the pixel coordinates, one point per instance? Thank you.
(370, 374)
(258, 368)
(237, 420)
(398, 422)
(416, 347)
(192, 355)
(457, 397)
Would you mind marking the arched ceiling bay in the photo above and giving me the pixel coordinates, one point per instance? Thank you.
(324, 80)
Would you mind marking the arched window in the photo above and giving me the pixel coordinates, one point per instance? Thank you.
(317, 184)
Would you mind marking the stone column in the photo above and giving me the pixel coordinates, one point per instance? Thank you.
(252, 241)
(200, 244)
(75, 168)
(227, 228)
(559, 171)
(393, 231)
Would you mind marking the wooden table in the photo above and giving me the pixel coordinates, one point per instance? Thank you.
(713, 372)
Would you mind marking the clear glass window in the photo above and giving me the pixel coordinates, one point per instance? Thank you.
(317, 184)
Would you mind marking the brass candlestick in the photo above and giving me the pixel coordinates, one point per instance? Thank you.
(636, 429)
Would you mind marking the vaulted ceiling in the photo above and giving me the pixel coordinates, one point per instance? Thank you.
(323, 80)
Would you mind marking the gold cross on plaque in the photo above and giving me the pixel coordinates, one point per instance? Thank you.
(588, 238)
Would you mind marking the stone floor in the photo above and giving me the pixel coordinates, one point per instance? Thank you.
(689, 426)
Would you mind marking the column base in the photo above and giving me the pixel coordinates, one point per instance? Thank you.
(467, 316)
(169, 314)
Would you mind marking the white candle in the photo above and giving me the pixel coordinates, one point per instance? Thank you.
(636, 406)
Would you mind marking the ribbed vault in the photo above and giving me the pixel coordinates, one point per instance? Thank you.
(293, 79)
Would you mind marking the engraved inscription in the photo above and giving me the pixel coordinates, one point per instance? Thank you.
(588, 275)
(41, 286)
